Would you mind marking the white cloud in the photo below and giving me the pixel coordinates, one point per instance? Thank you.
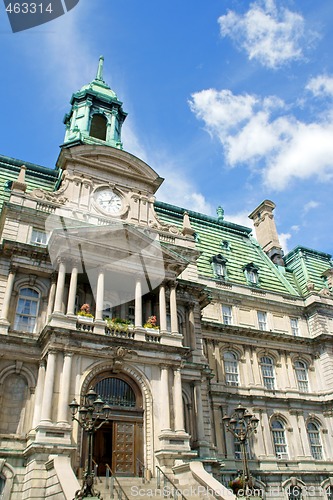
(240, 218)
(283, 238)
(260, 133)
(321, 86)
(310, 206)
(179, 191)
(271, 34)
(295, 228)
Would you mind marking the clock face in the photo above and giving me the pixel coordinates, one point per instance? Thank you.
(109, 201)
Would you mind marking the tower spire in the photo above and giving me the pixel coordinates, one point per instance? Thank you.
(99, 75)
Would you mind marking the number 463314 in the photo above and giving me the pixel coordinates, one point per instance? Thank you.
(28, 8)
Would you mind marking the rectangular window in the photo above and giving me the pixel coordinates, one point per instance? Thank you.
(294, 326)
(227, 315)
(38, 237)
(262, 320)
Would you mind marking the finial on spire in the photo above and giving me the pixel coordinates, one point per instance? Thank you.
(99, 75)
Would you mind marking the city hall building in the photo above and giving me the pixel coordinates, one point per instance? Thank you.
(172, 317)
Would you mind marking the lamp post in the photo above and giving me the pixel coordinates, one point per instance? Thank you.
(91, 416)
(242, 424)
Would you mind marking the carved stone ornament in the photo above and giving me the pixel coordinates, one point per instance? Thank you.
(55, 197)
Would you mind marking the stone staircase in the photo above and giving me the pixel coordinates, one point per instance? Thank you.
(134, 488)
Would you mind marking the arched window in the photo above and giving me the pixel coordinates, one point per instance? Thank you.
(294, 493)
(279, 438)
(267, 370)
(302, 376)
(315, 441)
(231, 368)
(116, 392)
(98, 127)
(26, 310)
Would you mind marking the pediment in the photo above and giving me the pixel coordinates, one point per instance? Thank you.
(109, 163)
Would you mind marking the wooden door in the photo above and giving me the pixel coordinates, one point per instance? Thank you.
(124, 448)
(118, 444)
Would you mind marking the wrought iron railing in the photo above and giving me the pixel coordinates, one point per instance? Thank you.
(168, 485)
(112, 484)
(141, 470)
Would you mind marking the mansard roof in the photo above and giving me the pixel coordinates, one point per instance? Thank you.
(241, 250)
(307, 267)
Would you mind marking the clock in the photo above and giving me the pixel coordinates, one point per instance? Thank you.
(109, 201)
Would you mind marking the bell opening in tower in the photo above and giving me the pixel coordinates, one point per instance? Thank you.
(98, 127)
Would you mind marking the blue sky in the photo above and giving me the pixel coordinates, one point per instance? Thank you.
(229, 100)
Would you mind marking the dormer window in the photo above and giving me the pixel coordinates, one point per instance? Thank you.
(98, 127)
(219, 266)
(251, 273)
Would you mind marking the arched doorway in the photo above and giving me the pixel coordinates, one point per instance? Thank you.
(119, 443)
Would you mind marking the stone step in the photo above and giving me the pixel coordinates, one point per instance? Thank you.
(135, 489)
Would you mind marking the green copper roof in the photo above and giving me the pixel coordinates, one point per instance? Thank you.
(98, 85)
(234, 243)
(308, 266)
(36, 176)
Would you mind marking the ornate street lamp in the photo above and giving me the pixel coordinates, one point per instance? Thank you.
(242, 424)
(91, 416)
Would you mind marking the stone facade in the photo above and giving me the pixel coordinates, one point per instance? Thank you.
(233, 324)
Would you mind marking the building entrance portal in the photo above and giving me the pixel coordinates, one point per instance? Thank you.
(119, 442)
(119, 445)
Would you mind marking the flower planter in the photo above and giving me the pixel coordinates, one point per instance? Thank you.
(156, 331)
(85, 319)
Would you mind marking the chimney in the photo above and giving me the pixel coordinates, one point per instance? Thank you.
(266, 233)
(20, 186)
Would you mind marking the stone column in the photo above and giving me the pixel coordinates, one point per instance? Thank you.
(52, 291)
(39, 394)
(198, 411)
(60, 287)
(162, 308)
(138, 303)
(165, 406)
(178, 401)
(173, 308)
(64, 389)
(8, 293)
(100, 296)
(72, 289)
(191, 325)
(46, 412)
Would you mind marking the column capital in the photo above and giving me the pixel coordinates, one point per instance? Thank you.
(42, 363)
(62, 260)
(68, 354)
(13, 268)
(172, 284)
(52, 351)
(53, 277)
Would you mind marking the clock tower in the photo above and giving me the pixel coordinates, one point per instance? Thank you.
(96, 116)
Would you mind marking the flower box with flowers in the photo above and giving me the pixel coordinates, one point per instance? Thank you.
(84, 315)
(119, 324)
(151, 325)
